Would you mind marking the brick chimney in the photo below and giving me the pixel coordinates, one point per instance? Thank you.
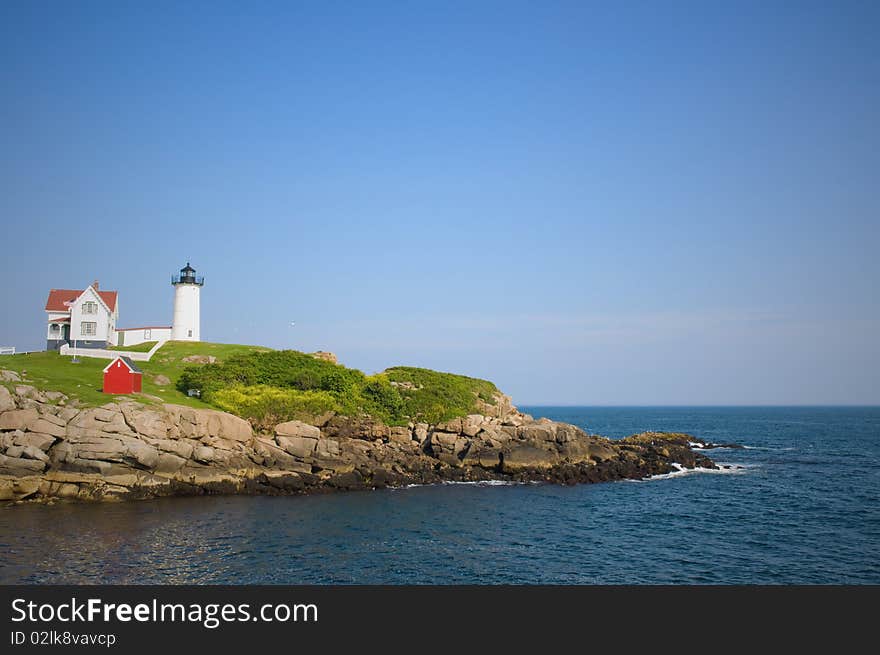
(95, 285)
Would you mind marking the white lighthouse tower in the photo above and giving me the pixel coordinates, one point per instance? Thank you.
(187, 287)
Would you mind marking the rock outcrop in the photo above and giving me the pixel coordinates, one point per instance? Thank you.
(51, 448)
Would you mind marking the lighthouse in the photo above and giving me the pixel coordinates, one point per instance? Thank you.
(187, 287)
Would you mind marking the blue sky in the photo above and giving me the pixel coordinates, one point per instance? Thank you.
(613, 203)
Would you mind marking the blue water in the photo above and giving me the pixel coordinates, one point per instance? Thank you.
(805, 508)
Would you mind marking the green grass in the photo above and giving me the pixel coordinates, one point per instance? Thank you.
(267, 386)
(144, 347)
(51, 371)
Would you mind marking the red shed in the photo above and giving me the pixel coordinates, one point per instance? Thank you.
(122, 376)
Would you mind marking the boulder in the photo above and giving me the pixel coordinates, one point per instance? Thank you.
(401, 435)
(101, 419)
(297, 429)
(18, 466)
(30, 452)
(169, 463)
(7, 402)
(525, 456)
(35, 439)
(18, 419)
(298, 446)
(203, 454)
(452, 425)
(9, 376)
(420, 432)
(144, 454)
(67, 414)
(472, 424)
(199, 423)
(47, 427)
(601, 452)
(327, 448)
(537, 432)
(161, 380)
(566, 433)
(29, 391)
(148, 422)
(47, 415)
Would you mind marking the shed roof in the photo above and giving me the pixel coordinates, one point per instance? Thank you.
(125, 360)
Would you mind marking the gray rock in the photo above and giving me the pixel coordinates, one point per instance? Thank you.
(30, 452)
(537, 432)
(297, 429)
(298, 446)
(401, 435)
(203, 454)
(9, 376)
(420, 432)
(18, 466)
(169, 463)
(47, 427)
(67, 414)
(35, 439)
(52, 418)
(144, 454)
(453, 425)
(7, 402)
(18, 419)
(472, 424)
(525, 456)
(327, 448)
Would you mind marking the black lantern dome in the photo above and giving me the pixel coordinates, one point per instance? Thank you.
(187, 276)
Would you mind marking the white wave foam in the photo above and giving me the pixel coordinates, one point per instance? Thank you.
(473, 483)
(490, 483)
(680, 471)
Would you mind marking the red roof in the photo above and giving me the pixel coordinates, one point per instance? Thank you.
(57, 298)
(64, 319)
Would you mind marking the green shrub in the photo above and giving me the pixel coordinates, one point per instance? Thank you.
(284, 384)
(432, 396)
(266, 406)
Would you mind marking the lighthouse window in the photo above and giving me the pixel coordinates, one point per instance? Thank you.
(189, 333)
(88, 328)
(90, 307)
(146, 334)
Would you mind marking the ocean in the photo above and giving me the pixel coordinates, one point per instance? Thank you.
(803, 506)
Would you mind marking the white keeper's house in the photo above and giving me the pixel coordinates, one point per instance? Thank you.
(87, 318)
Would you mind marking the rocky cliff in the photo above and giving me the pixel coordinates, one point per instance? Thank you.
(51, 448)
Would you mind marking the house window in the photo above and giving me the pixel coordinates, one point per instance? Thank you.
(189, 333)
(90, 307)
(146, 334)
(88, 329)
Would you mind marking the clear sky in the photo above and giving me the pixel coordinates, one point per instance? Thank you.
(611, 203)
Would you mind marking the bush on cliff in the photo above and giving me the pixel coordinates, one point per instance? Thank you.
(266, 406)
(432, 396)
(286, 384)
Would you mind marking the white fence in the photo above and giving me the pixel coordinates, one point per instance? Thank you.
(101, 353)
